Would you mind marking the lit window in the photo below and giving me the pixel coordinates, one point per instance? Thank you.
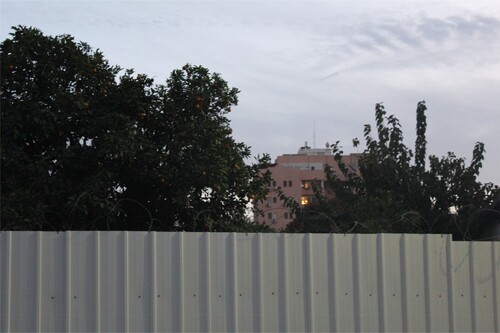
(306, 199)
(312, 184)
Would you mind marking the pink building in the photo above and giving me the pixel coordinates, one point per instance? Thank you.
(296, 175)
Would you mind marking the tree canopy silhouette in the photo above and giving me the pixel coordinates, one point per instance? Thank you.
(400, 190)
(86, 145)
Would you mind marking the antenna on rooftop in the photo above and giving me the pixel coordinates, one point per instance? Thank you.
(314, 134)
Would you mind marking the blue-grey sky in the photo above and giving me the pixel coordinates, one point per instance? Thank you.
(300, 63)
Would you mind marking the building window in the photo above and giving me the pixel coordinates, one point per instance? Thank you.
(269, 215)
(285, 183)
(312, 168)
(286, 216)
(312, 184)
(306, 200)
(289, 183)
(271, 200)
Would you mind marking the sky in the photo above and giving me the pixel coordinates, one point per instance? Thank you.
(310, 70)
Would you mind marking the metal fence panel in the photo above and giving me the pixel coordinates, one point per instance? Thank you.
(190, 282)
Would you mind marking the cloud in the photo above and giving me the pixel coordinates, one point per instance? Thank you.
(459, 28)
(300, 61)
(414, 41)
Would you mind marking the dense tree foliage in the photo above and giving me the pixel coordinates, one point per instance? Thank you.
(86, 145)
(396, 191)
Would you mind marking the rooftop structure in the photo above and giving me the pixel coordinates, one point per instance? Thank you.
(296, 176)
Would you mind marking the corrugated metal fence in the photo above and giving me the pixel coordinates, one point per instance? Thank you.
(189, 282)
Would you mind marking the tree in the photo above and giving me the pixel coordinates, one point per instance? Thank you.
(394, 190)
(86, 145)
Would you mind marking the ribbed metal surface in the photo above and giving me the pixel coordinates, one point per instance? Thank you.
(221, 282)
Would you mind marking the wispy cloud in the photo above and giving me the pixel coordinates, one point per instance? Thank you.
(300, 61)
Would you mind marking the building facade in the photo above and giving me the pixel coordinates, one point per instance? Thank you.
(297, 176)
